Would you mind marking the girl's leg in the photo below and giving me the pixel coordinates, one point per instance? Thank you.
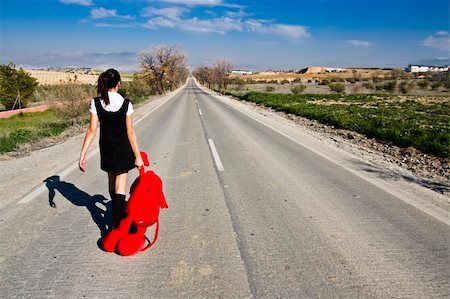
(112, 193)
(112, 185)
(117, 186)
(121, 183)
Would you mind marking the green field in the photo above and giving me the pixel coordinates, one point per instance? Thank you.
(28, 127)
(406, 121)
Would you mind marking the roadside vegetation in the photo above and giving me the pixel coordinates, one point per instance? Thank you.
(406, 110)
(29, 127)
(405, 121)
(162, 69)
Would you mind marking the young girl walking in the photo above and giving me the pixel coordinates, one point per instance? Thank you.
(119, 151)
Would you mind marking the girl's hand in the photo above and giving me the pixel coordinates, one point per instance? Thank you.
(139, 162)
(82, 163)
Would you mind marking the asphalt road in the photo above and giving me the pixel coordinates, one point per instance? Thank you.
(252, 213)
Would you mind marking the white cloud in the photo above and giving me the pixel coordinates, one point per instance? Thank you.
(238, 14)
(218, 25)
(203, 3)
(101, 13)
(359, 43)
(110, 25)
(442, 32)
(169, 12)
(195, 2)
(290, 31)
(160, 22)
(222, 25)
(79, 2)
(440, 41)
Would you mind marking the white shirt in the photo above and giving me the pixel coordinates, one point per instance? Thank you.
(115, 102)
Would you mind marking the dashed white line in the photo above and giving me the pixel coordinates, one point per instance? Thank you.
(215, 155)
(200, 112)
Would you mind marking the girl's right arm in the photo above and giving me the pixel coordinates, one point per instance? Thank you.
(90, 134)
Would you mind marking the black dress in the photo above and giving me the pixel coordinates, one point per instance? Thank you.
(116, 154)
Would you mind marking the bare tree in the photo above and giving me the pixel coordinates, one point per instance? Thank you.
(205, 75)
(163, 68)
(223, 68)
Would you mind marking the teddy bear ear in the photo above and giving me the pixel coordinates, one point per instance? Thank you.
(145, 159)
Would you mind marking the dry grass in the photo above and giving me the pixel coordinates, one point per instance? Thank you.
(348, 73)
(56, 78)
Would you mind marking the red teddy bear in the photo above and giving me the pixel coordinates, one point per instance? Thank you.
(142, 211)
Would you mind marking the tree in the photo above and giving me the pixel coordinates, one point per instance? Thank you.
(15, 85)
(223, 68)
(216, 75)
(206, 76)
(163, 68)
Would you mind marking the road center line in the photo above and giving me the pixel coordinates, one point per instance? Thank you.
(200, 112)
(215, 155)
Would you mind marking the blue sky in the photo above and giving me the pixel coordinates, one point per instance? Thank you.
(256, 35)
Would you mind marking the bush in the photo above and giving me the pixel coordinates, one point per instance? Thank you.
(15, 84)
(436, 85)
(337, 87)
(423, 84)
(270, 88)
(406, 86)
(285, 81)
(136, 90)
(389, 86)
(71, 101)
(298, 89)
(368, 85)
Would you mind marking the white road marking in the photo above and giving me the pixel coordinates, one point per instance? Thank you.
(200, 112)
(215, 155)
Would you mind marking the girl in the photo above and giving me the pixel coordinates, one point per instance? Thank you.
(119, 152)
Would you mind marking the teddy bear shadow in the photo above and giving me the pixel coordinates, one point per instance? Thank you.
(93, 203)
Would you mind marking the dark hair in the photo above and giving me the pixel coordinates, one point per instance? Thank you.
(108, 79)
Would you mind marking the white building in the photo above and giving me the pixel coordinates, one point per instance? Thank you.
(241, 72)
(425, 68)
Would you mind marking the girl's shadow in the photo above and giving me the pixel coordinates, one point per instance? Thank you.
(80, 198)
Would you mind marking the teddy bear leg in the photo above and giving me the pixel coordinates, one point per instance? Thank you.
(110, 241)
(133, 243)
